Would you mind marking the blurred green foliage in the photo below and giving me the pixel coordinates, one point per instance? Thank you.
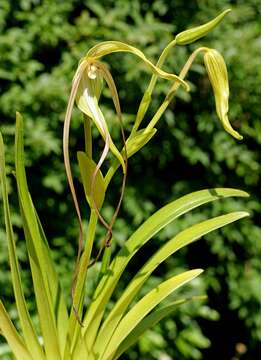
(41, 43)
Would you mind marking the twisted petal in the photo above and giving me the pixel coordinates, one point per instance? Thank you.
(218, 77)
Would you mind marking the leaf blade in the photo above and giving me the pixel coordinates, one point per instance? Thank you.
(30, 336)
(14, 340)
(143, 234)
(149, 321)
(144, 306)
(180, 240)
(37, 255)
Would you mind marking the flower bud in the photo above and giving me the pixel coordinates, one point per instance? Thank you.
(191, 35)
(218, 77)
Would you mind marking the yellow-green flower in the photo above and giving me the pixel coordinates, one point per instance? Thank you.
(217, 72)
(86, 90)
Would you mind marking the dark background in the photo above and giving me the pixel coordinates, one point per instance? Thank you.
(41, 43)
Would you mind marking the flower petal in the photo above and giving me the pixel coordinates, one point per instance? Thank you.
(88, 94)
(108, 47)
(218, 77)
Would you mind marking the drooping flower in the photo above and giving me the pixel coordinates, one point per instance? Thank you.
(86, 90)
(217, 72)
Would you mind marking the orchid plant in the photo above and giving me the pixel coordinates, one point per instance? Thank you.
(89, 330)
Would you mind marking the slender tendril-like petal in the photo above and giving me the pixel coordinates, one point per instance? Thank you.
(86, 90)
(91, 106)
(111, 84)
(66, 130)
(108, 47)
(88, 96)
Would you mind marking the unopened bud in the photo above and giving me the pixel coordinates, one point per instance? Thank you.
(191, 35)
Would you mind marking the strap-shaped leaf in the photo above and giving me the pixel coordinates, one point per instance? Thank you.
(74, 330)
(87, 168)
(58, 300)
(38, 255)
(25, 320)
(150, 321)
(14, 340)
(139, 238)
(182, 239)
(144, 306)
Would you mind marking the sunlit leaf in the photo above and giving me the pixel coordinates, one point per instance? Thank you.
(149, 322)
(14, 340)
(144, 306)
(139, 238)
(46, 303)
(182, 239)
(30, 336)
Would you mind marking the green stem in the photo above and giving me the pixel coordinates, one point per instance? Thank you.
(146, 99)
(149, 91)
(166, 101)
(173, 89)
(159, 64)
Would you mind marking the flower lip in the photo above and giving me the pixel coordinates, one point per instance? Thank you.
(92, 71)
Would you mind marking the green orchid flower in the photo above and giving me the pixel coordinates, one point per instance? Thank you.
(217, 72)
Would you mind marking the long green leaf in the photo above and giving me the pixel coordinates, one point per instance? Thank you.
(30, 336)
(144, 306)
(14, 340)
(58, 301)
(74, 329)
(36, 252)
(151, 320)
(139, 238)
(182, 239)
